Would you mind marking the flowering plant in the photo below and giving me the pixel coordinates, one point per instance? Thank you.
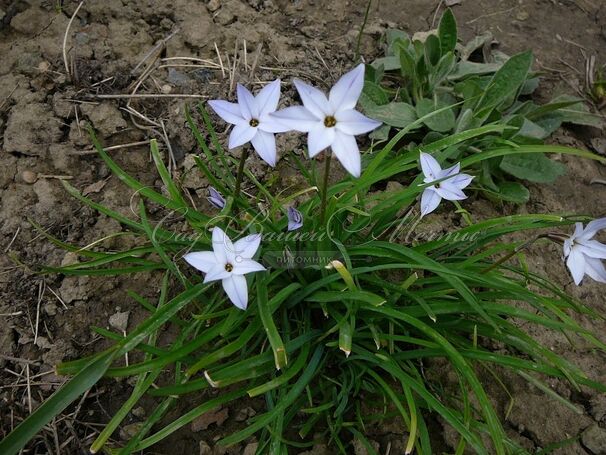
(344, 333)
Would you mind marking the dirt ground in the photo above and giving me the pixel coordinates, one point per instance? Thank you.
(46, 99)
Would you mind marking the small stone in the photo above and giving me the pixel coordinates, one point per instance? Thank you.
(176, 77)
(106, 117)
(138, 412)
(213, 5)
(29, 177)
(43, 343)
(70, 258)
(522, 15)
(225, 17)
(598, 407)
(44, 66)
(166, 88)
(50, 308)
(594, 439)
(205, 449)
(119, 321)
(129, 431)
(251, 448)
(217, 416)
(244, 414)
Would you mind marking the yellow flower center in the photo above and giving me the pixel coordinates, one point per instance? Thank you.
(229, 267)
(254, 122)
(330, 121)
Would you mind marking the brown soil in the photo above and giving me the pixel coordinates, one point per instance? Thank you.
(43, 111)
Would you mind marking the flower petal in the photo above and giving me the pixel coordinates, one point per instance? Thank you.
(460, 180)
(201, 260)
(247, 246)
(222, 246)
(453, 170)
(449, 192)
(218, 272)
(592, 228)
(592, 248)
(429, 201)
(269, 124)
(313, 99)
(430, 167)
(295, 219)
(297, 118)
(345, 93)
(247, 103)
(215, 198)
(346, 150)
(268, 98)
(567, 247)
(240, 135)
(319, 138)
(237, 290)
(265, 145)
(244, 266)
(595, 269)
(576, 265)
(352, 122)
(230, 112)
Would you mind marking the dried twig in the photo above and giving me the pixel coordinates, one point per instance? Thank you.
(220, 61)
(143, 95)
(113, 147)
(69, 24)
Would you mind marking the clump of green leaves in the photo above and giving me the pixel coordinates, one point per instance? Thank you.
(469, 86)
(335, 350)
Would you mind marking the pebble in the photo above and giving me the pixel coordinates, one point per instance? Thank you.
(29, 177)
(205, 448)
(594, 439)
(44, 66)
(522, 15)
(213, 5)
(119, 321)
(251, 448)
(166, 88)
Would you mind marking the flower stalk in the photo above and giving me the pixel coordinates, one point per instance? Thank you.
(240, 175)
(325, 188)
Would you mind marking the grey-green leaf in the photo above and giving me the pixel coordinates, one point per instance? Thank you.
(441, 122)
(393, 114)
(447, 31)
(505, 82)
(513, 192)
(535, 167)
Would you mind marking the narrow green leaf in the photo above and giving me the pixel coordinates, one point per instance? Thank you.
(55, 404)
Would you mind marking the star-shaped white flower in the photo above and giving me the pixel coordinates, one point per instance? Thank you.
(584, 255)
(450, 189)
(331, 122)
(252, 121)
(229, 262)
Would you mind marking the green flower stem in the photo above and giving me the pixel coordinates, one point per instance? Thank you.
(515, 251)
(240, 175)
(325, 187)
(464, 213)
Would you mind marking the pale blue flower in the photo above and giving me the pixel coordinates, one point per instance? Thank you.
(331, 122)
(450, 188)
(251, 119)
(295, 219)
(584, 255)
(215, 198)
(229, 262)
